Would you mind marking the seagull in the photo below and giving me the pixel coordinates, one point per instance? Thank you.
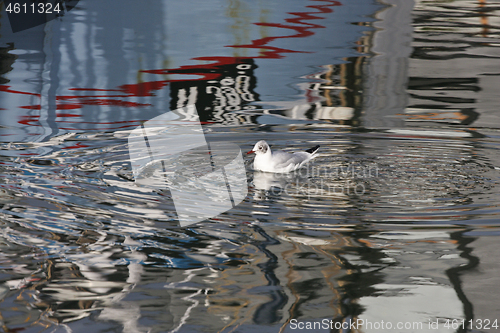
(279, 161)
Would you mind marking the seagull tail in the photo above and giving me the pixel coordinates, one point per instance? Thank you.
(312, 150)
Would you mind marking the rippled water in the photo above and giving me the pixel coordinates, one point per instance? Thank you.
(396, 221)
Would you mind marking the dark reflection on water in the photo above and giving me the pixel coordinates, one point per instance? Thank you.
(395, 221)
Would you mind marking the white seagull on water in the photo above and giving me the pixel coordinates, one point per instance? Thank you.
(279, 161)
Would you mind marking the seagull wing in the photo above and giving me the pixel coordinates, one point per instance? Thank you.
(283, 160)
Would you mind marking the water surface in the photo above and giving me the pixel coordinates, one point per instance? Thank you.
(395, 221)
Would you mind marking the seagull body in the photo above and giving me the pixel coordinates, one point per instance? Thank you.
(279, 161)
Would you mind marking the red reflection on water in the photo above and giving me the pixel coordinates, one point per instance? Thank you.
(29, 120)
(202, 70)
(140, 89)
(78, 145)
(32, 120)
(302, 28)
(6, 89)
(300, 23)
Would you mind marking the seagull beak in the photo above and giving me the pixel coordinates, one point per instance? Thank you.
(251, 151)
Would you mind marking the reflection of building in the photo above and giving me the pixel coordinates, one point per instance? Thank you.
(416, 278)
(420, 75)
(450, 82)
(409, 284)
(217, 285)
(386, 72)
(431, 68)
(333, 97)
(269, 291)
(92, 70)
(232, 88)
(73, 286)
(338, 93)
(480, 283)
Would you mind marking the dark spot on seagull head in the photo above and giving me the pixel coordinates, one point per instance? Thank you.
(261, 147)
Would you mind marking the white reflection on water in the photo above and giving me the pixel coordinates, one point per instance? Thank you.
(416, 281)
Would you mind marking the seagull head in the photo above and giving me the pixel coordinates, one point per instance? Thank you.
(260, 147)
